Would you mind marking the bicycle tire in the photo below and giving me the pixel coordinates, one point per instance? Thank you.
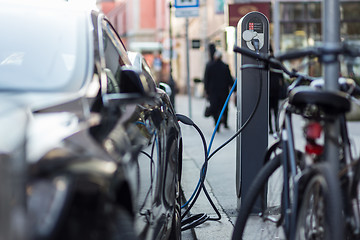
(352, 204)
(254, 191)
(326, 214)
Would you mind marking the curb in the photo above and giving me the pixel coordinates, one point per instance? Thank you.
(221, 229)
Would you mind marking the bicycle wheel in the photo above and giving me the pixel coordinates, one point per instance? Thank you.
(245, 220)
(320, 212)
(352, 205)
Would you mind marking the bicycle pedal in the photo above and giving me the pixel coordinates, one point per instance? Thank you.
(270, 213)
(271, 219)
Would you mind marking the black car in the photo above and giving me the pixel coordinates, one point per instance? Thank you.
(90, 147)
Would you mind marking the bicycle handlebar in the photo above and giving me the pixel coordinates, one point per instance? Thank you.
(297, 54)
(265, 58)
(261, 56)
(345, 49)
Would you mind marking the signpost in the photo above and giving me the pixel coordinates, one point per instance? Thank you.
(186, 9)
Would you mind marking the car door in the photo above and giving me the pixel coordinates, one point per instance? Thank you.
(143, 136)
(132, 129)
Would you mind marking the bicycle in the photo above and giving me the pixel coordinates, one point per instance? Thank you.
(313, 202)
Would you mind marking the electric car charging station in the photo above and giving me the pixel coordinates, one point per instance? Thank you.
(251, 120)
(252, 138)
(252, 101)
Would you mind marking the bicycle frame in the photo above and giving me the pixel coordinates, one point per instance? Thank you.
(333, 129)
(289, 163)
(351, 171)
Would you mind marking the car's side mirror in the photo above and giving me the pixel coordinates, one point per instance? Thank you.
(130, 81)
(131, 89)
(166, 88)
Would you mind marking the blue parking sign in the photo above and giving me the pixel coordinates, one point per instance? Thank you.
(186, 3)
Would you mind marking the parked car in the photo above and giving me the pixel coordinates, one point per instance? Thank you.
(90, 147)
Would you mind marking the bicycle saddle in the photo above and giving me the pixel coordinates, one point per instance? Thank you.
(329, 102)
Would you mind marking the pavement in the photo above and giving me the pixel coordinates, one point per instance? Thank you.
(220, 178)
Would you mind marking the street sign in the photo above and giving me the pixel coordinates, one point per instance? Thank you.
(186, 8)
(186, 3)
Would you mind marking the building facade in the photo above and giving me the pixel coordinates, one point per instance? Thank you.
(144, 24)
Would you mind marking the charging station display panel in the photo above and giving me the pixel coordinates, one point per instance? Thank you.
(254, 29)
(252, 95)
(256, 25)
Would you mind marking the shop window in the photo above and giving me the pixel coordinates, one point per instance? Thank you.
(300, 24)
(314, 11)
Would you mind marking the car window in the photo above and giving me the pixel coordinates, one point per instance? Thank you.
(113, 63)
(107, 27)
(115, 57)
(150, 79)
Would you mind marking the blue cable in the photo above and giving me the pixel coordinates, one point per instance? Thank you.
(219, 119)
(211, 141)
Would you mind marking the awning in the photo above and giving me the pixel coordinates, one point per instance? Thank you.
(145, 46)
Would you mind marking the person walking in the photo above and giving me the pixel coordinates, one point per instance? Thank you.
(217, 84)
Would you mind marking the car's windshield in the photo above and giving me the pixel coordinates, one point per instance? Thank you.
(41, 50)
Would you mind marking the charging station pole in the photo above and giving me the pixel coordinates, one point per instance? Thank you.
(251, 144)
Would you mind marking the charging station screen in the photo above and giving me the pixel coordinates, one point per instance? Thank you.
(256, 25)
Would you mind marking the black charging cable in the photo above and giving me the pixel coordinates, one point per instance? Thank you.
(195, 220)
(198, 219)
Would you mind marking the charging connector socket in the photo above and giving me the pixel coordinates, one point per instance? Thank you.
(256, 43)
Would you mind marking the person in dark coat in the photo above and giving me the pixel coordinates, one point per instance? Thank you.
(217, 83)
(212, 50)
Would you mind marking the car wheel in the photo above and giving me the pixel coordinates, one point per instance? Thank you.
(175, 233)
(124, 226)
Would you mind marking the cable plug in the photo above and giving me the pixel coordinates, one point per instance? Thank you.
(184, 119)
(256, 43)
